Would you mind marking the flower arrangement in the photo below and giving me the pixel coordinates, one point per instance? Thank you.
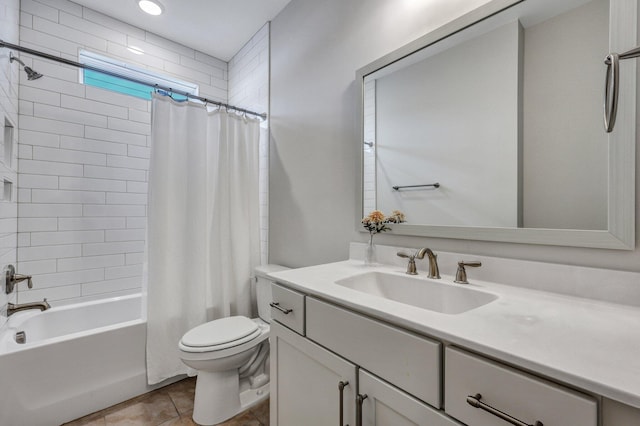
(376, 222)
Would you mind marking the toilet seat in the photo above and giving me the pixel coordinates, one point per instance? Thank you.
(220, 334)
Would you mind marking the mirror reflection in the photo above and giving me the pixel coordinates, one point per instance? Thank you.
(506, 116)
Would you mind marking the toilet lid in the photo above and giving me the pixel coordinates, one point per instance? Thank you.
(220, 332)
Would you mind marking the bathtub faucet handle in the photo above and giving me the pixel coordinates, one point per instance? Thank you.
(11, 279)
(19, 278)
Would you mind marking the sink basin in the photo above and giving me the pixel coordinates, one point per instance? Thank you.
(419, 292)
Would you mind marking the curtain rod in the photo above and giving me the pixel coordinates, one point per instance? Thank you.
(113, 74)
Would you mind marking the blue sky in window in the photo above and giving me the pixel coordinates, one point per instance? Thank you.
(120, 85)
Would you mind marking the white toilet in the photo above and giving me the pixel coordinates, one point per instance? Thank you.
(232, 358)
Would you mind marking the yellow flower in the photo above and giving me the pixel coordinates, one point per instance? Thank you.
(398, 216)
(376, 216)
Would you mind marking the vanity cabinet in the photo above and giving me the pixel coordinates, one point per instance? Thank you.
(391, 376)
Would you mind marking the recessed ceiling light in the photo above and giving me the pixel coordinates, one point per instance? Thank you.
(136, 50)
(151, 7)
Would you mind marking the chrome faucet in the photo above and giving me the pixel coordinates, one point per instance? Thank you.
(434, 272)
(13, 308)
(11, 279)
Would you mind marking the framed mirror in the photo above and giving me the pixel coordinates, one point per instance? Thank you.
(491, 127)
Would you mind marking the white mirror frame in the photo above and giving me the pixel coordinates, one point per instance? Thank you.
(621, 194)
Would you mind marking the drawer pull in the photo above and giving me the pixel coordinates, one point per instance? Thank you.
(341, 386)
(359, 399)
(474, 401)
(281, 309)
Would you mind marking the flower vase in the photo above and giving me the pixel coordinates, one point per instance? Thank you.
(370, 252)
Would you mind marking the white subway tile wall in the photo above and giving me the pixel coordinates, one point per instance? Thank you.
(249, 89)
(369, 157)
(9, 32)
(84, 152)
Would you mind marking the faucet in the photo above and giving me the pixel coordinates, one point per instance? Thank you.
(434, 272)
(13, 308)
(11, 279)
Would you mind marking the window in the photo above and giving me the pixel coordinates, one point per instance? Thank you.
(121, 85)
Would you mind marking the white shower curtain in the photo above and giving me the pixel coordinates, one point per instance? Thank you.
(203, 232)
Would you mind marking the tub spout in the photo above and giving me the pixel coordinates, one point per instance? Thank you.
(13, 308)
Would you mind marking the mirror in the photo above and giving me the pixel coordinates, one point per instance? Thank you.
(490, 127)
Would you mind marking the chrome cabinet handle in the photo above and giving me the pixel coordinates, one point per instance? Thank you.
(474, 401)
(611, 91)
(341, 385)
(359, 399)
(281, 309)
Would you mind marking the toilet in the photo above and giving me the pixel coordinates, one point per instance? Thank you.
(231, 356)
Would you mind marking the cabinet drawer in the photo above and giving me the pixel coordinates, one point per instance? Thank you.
(518, 394)
(407, 360)
(287, 308)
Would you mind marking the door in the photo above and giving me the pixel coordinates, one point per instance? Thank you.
(383, 405)
(309, 385)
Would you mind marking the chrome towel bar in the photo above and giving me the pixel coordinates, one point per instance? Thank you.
(435, 185)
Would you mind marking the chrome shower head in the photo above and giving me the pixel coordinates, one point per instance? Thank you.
(31, 74)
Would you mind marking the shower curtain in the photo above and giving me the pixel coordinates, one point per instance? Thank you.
(203, 232)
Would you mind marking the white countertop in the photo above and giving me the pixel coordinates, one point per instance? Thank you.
(589, 344)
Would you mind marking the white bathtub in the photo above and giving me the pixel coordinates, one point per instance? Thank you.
(77, 359)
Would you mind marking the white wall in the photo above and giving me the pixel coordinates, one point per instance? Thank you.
(9, 13)
(316, 47)
(84, 152)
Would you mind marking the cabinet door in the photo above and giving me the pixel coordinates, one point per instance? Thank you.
(305, 382)
(386, 405)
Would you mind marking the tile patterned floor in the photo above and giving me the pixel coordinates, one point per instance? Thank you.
(168, 406)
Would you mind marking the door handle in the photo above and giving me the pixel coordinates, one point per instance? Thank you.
(341, 385)
(359, 400)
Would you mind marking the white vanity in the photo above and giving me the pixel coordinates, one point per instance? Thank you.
(350, 354)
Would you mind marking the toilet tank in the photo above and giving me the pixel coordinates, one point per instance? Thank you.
(263, 289)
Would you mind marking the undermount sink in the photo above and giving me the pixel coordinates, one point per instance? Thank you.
(419, 292)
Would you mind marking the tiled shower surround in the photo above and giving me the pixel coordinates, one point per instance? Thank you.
(9, 13)
(84, 152)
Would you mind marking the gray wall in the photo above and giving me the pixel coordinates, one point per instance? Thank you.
(315, 154)
(564, 120)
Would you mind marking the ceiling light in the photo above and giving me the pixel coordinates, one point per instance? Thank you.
(136, 50)
(151, 7)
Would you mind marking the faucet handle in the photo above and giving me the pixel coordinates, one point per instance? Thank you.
(11, 279)
(461, 273)
(19, 277)
(411, 266)
(405, 255)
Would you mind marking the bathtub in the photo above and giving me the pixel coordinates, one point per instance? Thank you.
(76, 360)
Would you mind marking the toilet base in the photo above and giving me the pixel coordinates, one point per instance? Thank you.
(218, 397)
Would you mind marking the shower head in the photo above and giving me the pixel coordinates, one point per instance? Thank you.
(31, 74)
